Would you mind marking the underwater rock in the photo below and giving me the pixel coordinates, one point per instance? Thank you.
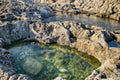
(63, 70)
(7, 70)
(59, 78)
(55, 60)
(32, 66)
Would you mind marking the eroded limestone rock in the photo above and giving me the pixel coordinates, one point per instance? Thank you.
(93, 41)
(90, 39)
(101, 8)
(7, 70)
(20, 77)
(117, 35)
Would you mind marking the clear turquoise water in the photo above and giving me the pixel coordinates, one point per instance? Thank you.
(48, 62)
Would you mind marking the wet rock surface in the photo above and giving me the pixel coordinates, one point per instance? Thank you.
(21, 24)
(7, 70)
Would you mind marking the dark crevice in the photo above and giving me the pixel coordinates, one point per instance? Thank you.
(103, 75)
(118, 66)
(72, 37)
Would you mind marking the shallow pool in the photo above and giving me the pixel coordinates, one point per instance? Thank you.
(89, 20)
(48, 62)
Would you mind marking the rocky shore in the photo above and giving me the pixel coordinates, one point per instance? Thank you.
(24, 22)
(100, 8)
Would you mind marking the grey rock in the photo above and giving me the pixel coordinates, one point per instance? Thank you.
(102, 8)
(6, 72)
(90, 39)
(20, 77)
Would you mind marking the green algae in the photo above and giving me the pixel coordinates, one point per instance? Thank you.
(45, 62)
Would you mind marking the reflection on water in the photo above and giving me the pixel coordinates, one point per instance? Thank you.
(114, 44)
(89, 20)
(47, 62)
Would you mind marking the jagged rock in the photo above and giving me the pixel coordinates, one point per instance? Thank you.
(6, 69)
(1, 42)
(5, 57)
(102, 8)
(117, 35)
(24, 10)
(69, 8)
(90, 39)
(63, 34)
(20, 77)
(108, 70)
(84, 34)
(102, 37)
(54, 32)
(6, 72)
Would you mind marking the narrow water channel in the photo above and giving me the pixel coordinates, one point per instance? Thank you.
(46, 62)
(89, 20)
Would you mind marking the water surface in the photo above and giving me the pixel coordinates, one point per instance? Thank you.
(48, 62)
(89, 20)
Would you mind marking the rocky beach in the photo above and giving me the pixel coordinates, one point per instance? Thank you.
(26, 20)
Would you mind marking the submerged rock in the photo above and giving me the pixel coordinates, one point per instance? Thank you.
(7, 70)
(59, 78)
(32, 66)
